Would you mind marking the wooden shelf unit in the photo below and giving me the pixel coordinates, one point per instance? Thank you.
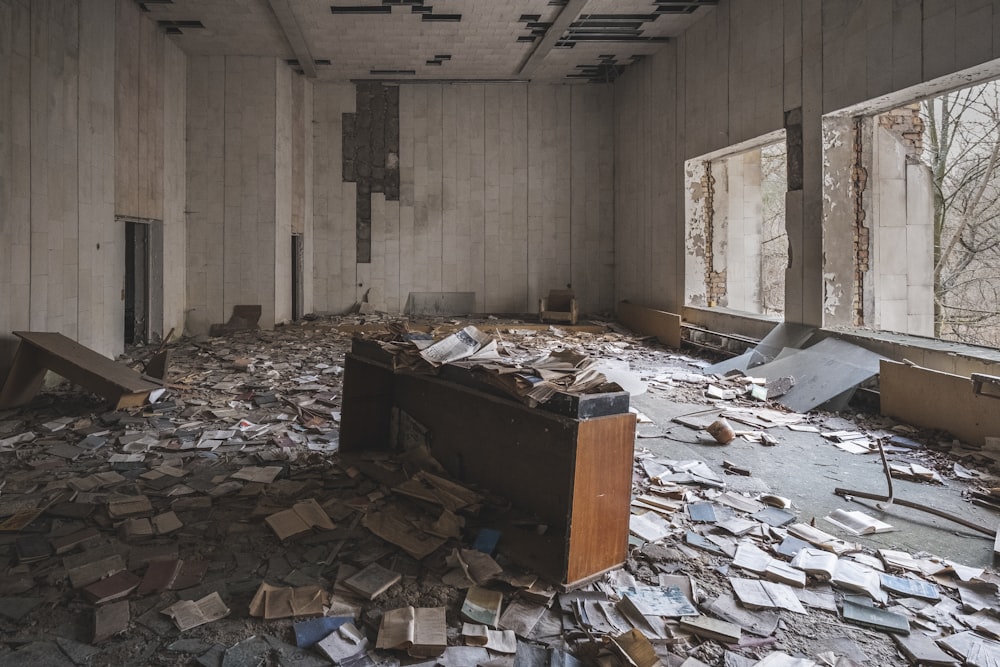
(573, 475)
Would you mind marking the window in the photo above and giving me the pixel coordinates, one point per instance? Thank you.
(924, 206)
(737, 244)
(961, 148)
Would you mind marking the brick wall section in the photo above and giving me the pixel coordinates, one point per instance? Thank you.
(371, 154)
(715, 281)
(906, 124)
(862, 237)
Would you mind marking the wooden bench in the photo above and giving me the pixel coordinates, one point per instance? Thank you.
(41, 351)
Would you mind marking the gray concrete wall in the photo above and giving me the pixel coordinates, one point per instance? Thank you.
(505, 190)
(334, 272)
(71, 159)
(149, 151)
(734, 76)
(174, 190)
(239, 188)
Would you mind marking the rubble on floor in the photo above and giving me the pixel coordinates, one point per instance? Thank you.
(219, 526)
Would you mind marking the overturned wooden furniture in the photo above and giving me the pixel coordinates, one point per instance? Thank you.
(41, 351)
(571, 474)
(244, 318)
(558, 306)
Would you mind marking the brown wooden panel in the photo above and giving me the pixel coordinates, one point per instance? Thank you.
(24, 379)
(76, 363)
(602, 494)
(366, 406)
(932, 399)
(651, 322)
(522, 454)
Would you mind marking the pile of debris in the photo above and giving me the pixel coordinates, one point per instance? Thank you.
(219, 526)
(755, 577)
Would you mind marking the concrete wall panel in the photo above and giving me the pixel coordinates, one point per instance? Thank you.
(174, 189)
(15, 170)
(506, 198)
(283, 192)
(505, 190)
(100, 262)
(206, 150)
(334, 273)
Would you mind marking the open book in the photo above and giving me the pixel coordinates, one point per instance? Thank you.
(420, 631)
(857, 522)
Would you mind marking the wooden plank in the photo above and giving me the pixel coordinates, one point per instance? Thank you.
(367, 406)
(602, 486)
(932, 399)
(78, 364)
(651, 322)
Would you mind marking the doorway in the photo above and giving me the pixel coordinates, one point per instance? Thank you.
(136, 282)
(297, 277)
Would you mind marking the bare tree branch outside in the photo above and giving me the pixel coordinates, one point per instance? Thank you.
(962, 148)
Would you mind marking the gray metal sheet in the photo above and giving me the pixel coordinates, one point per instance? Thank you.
(831, 369)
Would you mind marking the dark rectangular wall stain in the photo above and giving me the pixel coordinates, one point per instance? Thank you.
(371, 154)
(793, 144)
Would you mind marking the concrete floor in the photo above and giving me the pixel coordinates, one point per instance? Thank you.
(806, 468)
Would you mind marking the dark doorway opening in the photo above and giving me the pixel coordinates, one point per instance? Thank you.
(136, 282)
(298, 299)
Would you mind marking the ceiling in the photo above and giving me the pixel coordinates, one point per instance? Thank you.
(336, 40)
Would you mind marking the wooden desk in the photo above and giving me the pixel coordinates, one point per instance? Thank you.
(574, 475)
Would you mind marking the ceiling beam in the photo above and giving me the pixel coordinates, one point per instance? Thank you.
(570, 11)
(293, 34)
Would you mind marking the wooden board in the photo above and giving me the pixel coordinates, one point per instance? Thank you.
(651, 322)
(367, 409)
(41, 351)
(932, 399)
(598, 531)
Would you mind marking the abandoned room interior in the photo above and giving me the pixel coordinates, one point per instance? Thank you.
(515, 333)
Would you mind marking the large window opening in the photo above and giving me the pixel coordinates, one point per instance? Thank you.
(912, 217)
(961, 147)
(737, 243)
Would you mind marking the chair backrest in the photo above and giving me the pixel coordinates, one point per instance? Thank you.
(560, 300)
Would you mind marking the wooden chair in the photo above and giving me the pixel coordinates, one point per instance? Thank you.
(558, 306)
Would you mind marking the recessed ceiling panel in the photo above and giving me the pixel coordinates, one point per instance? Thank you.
(437, 39)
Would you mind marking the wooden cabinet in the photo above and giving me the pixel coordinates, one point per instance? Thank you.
(572, 475)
